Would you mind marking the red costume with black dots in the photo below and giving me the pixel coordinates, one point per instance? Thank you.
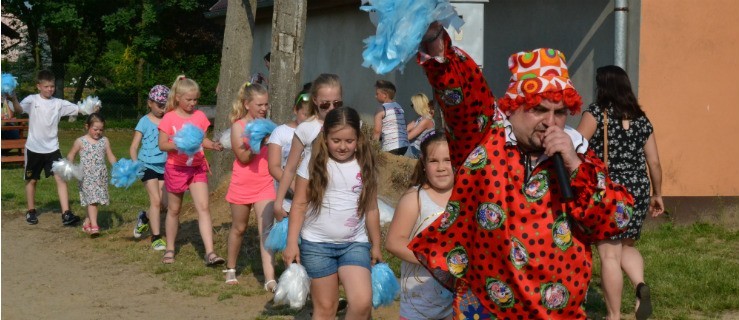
(504, 245)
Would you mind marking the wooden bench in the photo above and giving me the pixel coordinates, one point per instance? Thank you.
(14, 150)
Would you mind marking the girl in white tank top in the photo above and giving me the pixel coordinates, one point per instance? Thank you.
(422, 296)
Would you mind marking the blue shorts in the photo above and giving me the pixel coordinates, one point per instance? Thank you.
(322, 259)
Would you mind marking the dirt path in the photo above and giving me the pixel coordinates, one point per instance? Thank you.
(51, 272)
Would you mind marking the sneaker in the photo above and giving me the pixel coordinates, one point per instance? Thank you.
(69, 219)
(142, 225)
(159, 244)
(31, 216)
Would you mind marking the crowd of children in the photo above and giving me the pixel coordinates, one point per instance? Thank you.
(320, 168)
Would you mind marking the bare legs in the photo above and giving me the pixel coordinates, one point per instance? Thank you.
(155, 189)
(358, 288)
(612, 279)
(31, 194)
(615, 256)
(199, 193)
(265, 218)
(239, 221)
(61, 189)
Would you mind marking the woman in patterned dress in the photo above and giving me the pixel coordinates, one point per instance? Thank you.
(631, 148)
(93, 149)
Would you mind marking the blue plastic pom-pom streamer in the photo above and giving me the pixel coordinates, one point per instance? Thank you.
(189, 139)
(125, 172)
(9, 83)
(277, 239)
(256, 130)
(401, 25)
(385, 286)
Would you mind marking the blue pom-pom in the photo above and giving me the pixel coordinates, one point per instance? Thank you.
(9, 83)
(385, 286)
(256, 130)
(277, 239)
(401, 25)
(189, 139)
(125, 172)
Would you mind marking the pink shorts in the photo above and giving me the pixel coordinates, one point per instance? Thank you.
(177, 179)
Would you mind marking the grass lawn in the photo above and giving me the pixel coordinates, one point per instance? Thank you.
(693, 269)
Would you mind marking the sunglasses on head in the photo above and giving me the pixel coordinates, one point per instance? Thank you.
(326, 104)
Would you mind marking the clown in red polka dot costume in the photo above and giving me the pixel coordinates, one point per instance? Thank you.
(508, 245)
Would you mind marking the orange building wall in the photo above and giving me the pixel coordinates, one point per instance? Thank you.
(689, 87)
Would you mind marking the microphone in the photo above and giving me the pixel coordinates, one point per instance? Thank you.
(563, 177)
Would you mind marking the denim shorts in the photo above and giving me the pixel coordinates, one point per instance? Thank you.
(322, 259)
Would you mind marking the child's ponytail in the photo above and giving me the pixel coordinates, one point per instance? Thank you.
(181, 85)
(246, 94)
(318, 172)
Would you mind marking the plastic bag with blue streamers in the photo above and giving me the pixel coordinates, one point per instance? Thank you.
(401, 25)
(189, 139)
(125, 172)
(9, 83)
(277, 238)
(385, 286)
(256, 130)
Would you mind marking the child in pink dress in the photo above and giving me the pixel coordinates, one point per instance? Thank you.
(251, 184)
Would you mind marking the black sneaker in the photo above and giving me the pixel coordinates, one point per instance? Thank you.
(31, 216)
(69, 219)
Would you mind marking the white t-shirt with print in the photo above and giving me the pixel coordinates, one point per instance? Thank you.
(307, 132)
(43, 121)
(338, 221)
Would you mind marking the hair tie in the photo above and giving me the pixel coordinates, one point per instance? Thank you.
(305, 97)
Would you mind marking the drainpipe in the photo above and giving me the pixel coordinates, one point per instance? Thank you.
(620, 12)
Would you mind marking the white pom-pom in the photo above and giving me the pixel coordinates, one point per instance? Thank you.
(67, 170)
(293, 288)
(225, 138)
(88, 105)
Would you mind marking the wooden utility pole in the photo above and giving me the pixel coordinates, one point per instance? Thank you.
(286, 63)
(235, 65)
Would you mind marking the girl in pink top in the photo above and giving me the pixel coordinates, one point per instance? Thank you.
(182, 173)
(251, 184)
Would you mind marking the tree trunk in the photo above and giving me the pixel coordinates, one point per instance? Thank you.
(286, 65)
(235, 68)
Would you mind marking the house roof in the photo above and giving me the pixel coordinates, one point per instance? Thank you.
(219, 8)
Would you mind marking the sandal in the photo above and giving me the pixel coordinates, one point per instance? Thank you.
(93, 231)
(268, 288)
(168, 259)
(86, 228)
(212, 259)
(231, 276)
(645, 302)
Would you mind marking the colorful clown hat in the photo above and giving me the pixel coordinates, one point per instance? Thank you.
(535, 73)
